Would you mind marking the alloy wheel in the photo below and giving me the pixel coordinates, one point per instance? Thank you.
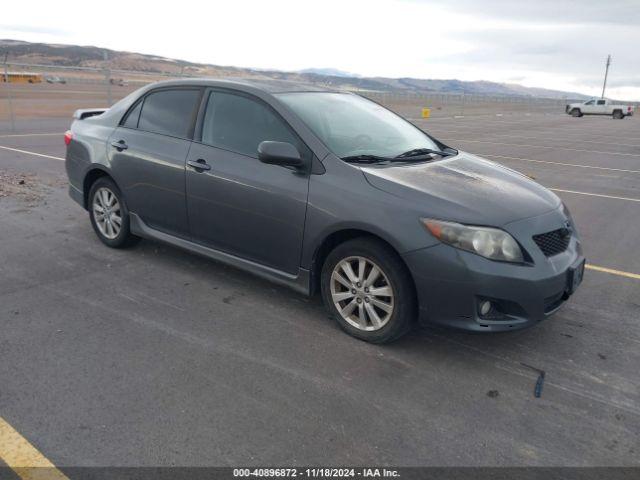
(362, 293)
(107, 213)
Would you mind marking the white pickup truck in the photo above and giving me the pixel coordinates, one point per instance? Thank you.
(599, 106)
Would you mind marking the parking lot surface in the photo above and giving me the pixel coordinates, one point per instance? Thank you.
(156, 357)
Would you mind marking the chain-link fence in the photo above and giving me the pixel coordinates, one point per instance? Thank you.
(410, 105)
(40, 97)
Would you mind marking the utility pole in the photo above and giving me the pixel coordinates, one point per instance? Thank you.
(606, 72)
(107, 77)
(9, 101)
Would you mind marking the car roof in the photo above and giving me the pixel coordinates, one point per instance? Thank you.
(272, 86)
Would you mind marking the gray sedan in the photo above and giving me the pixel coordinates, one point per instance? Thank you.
(326, 192)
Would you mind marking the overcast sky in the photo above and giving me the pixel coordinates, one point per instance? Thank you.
(538, 43)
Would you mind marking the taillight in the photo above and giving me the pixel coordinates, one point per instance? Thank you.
(67, 137)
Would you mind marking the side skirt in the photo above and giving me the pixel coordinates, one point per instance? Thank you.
(300, 282)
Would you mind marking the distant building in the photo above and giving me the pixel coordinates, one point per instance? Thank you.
(21, 77)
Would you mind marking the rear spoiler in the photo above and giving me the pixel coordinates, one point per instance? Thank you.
(83, 113)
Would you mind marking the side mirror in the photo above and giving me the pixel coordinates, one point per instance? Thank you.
(279, 153)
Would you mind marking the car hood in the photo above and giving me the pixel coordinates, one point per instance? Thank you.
(466, 189)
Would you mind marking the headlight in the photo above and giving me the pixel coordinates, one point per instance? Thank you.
(567, 213)
(491, 243)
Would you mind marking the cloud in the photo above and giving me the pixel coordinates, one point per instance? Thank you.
(33, 29)
(607, 12)
(543, 43)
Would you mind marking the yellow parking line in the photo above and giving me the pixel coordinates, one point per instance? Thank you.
(596, 195)
(612, 271)
(23, 458)
(31, 153)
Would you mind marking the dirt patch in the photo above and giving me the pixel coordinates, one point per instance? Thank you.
(25, 187)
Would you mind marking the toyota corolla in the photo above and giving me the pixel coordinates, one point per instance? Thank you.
(326, 192)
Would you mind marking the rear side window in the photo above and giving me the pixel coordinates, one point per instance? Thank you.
(237, 123)
(169, 112)
(600, 102)
(131, 121)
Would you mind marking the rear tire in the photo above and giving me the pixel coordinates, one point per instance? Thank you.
(109, 214)
(368, 290)
(576, 112)
(618, 115)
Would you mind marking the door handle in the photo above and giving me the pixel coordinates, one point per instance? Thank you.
(120, 145)
(199, 165)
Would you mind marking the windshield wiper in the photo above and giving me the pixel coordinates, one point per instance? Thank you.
(418, 152)
(403, 157)
(366, 158)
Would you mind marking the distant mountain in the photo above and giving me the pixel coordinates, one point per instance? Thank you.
(333, 72)
(88, 56)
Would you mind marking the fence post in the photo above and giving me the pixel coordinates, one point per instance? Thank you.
(107, 79)
(9, 101)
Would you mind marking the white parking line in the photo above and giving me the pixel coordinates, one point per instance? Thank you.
(559, 163)
(31, 153)
(31, 135)
(542, 146)
(543, 137)
(533, 127)
(577, 137)
(554, 189)
(595, 195)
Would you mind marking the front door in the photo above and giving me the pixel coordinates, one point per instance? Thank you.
(236, 203)
(589, 107)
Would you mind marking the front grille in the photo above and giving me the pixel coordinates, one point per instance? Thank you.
(553, 243)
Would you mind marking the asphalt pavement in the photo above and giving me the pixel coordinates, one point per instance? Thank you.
(156, 357)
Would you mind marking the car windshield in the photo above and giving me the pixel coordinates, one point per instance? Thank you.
(351, 125)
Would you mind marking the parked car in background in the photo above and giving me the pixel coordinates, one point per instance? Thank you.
(55, 80)
(599, 106)
(326, 191)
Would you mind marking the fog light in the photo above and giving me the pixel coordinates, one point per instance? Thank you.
(485, 307)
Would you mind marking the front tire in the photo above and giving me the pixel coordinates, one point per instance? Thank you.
(368, 290)
(576, 112)
(109, 214)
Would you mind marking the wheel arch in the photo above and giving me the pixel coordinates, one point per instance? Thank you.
(337, 237)
(90, 178)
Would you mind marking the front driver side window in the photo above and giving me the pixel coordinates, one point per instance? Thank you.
(590, 102)
(237, 123)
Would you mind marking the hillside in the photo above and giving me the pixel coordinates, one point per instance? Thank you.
(18, 51)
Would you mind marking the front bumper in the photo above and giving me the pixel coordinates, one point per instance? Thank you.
(451, 283)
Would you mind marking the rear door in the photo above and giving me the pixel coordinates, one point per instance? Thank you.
(601, 106)
(148, 153)
(236, 203)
